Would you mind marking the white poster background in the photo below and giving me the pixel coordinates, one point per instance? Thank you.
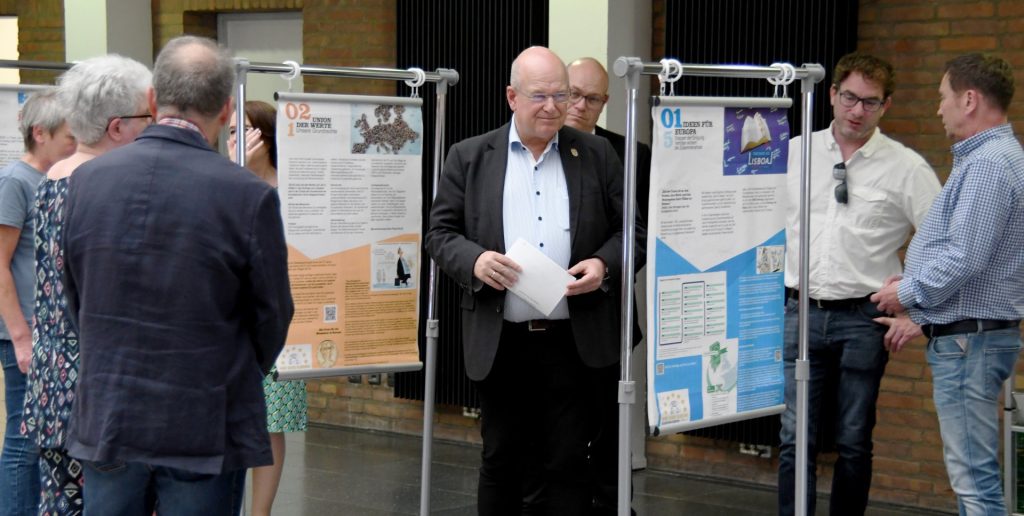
(353, 175)
(349, 175)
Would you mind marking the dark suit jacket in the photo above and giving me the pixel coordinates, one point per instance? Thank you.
(177, 279)
(643, 166)
(466, 220)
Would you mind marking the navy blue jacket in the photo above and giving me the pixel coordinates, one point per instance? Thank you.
(177, 280)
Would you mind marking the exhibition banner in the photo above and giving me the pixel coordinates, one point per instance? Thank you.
(12, 96)
(715, 261)
(349, 172)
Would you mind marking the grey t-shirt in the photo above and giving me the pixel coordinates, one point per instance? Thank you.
(18, 184)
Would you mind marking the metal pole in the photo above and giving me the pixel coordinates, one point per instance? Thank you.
(802, 366)
(394, 74)
(35, 65)
(627, 388)
(241, 71)
(430, 366)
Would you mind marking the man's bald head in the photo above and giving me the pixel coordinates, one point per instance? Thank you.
(193, 75)
(588, 85)
(536, 59)
(538, 93)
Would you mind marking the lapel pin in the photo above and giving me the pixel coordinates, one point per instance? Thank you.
(574, 152)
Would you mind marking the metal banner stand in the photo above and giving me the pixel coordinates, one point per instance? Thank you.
(631, 68)
(443, 77)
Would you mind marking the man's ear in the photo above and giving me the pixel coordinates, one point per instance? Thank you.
(971, 99)
(225, 111)
(510, 95)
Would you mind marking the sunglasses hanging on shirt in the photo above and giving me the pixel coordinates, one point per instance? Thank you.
(839, 174)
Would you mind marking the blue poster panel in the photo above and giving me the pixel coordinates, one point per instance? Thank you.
(716, 251)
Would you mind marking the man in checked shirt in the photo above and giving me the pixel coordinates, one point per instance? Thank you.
(964, 278)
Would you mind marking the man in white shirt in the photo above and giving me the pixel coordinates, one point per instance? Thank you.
(868, 192)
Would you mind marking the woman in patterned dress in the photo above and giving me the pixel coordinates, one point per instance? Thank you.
(105, 99)
(286, 401)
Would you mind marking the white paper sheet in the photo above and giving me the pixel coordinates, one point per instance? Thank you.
(543, 282)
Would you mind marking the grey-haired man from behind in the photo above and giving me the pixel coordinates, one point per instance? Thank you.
(177, 278)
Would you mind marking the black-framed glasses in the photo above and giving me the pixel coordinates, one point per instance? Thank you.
(839, 174)
(561, 97)
(129, 117)
(871, 104)
(593, 101)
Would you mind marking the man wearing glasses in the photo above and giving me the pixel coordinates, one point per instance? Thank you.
(964, 282)
(588, 94)
(868, 192)
(561, 191)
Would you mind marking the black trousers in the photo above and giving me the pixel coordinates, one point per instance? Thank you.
(536, 422)
(604, 444)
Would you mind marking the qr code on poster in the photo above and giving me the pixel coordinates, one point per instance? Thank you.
(330, 313)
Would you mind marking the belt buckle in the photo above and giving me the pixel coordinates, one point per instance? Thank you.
(540, 325)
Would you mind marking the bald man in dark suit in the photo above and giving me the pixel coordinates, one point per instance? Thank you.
(560, 190)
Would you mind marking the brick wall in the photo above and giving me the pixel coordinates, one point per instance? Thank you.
(351, 33)
(40, 34)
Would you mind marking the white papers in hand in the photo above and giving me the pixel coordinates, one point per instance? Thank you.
(543, 282)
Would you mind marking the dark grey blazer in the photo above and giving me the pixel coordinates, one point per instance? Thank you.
(466, 220)
(177, 279)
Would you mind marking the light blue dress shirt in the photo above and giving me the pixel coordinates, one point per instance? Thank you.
(967, 259)
(536, 209)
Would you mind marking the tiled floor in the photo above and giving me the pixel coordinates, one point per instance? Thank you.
(342, 472)
(330, 471)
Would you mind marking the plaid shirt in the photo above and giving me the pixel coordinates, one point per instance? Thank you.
(181, 123)
(967, 259)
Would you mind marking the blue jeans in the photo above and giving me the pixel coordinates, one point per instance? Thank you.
(19, 465)
(968, 372)
(847, 360)
(118, 488)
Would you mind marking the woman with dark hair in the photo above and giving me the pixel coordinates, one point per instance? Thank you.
(260, 140)
(286, 401)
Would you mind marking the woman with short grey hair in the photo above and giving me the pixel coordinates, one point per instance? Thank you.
(105, 98)
(104, 91)
(47, 141)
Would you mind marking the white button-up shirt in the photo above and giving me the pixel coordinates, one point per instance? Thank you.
(854, 246)
(536, 208)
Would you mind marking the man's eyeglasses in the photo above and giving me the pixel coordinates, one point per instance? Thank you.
(593, 101)
(871, 104)
(541, 98)
(839, 174)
